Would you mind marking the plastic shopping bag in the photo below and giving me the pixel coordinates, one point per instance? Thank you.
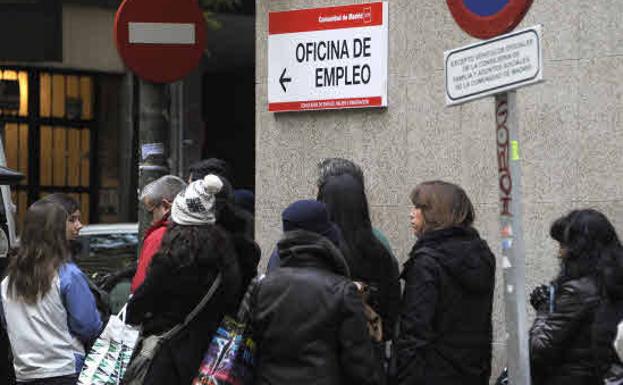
(230, 359)
(110, 355)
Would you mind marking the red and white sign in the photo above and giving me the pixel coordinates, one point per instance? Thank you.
(160, 40)
(328, 58)
(488, 18)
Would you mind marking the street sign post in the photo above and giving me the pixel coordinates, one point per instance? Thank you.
(160, 40)
(493, 66)
(328, 58)
(498, 67)
(513, 250)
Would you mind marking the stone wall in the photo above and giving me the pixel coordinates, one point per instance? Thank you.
(571, 130)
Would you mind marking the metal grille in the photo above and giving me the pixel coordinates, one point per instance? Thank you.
(51, 138)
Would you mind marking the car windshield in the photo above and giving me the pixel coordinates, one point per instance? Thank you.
(107, 253)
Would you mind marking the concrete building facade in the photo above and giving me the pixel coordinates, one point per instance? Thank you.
(571, 131)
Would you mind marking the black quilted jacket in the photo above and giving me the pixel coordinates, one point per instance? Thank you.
(561, 342)
(445, 323)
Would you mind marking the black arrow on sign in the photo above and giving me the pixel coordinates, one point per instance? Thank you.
(283, 80)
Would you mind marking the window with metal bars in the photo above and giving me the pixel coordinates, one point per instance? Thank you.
(49, 136)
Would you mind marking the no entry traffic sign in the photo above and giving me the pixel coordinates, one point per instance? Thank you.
(488, 18)
(328, 58)
(160, 40)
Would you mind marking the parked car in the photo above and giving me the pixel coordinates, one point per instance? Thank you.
(107, 254)
(107, 248)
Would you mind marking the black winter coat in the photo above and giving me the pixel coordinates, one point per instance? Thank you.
(170, 292)
(309, 320)
(383, 278)
(571, 344)
(609, 314)
(445, 324)
(239, 224)
(561, 346)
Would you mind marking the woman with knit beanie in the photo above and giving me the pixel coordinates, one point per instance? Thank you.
(193, 253)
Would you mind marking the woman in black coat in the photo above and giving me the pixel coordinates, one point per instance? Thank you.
(368, 259)
(577, 314)
(193, 253)
(445, 323)
(308, 319)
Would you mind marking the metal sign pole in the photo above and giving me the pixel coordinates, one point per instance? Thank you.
(513, 251)
(153, 140)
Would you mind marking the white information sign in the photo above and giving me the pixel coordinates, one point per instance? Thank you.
(504, 63)
(328, 58)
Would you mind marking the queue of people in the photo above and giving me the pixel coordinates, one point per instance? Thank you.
(330, 309)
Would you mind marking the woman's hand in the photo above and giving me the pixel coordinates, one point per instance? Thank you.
(539, 298)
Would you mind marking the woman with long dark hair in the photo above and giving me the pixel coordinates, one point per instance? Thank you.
(368, 259)
(72, 231)
(445, 324)
(571, 338)
(48, 309)
(194, 251)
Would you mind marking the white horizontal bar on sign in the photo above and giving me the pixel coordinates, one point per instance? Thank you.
(161, 33)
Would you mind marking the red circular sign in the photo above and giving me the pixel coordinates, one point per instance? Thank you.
(160, 40)
(485, 19)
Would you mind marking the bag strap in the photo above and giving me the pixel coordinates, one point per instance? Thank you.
(122, 312)
(196, 310)
(244, 310)
(204, 300)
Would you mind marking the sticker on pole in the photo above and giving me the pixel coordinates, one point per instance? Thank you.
(328, 58)
(488, 18)
(493, 66)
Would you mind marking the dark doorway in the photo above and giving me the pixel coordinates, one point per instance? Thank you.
(229, 115)
(229, 93)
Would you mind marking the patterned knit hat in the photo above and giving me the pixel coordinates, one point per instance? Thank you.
(195, 205)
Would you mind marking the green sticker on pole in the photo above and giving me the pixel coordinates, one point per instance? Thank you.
(514, 150)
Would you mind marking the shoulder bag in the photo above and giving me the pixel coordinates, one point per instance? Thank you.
(141, 362)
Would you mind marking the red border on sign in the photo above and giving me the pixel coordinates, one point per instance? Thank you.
(329, 104)
(320, 19)
(484, 27)
(159, 63)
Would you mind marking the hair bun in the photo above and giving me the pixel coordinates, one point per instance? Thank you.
(212, 184)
